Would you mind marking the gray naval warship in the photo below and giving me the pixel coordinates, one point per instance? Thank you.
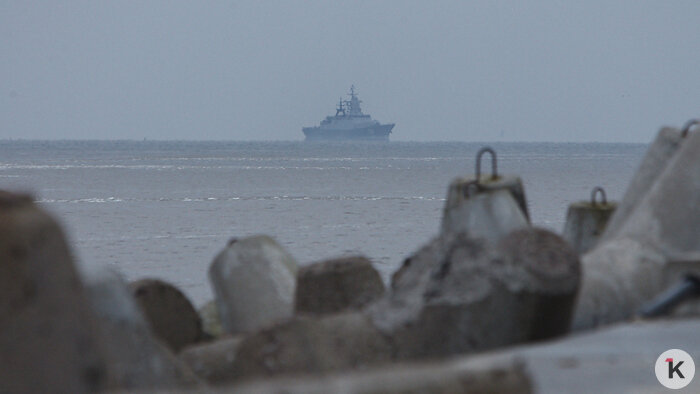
(349, 124)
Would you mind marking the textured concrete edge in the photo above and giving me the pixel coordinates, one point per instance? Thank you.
(444, 376)
(616, 358)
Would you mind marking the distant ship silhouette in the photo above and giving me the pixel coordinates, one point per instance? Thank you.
(349, 124)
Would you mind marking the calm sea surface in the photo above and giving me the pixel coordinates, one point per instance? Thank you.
(165, 209)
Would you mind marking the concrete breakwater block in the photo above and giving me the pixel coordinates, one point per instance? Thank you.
(169, 313)
(311, 344)
(336, 285)
(655, 160)
(506, 376)
(586, 222)
(464, 190)
(456, 295)
(617, 359)
(664, 228)
(253, 280)
(487, 214)
(212, 361)
(485, 206)
(460, 295)
(135, 359)
(48, 335)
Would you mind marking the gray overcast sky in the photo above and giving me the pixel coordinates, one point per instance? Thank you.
(260, 70)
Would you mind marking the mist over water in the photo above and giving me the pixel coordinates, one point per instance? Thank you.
(165, 209)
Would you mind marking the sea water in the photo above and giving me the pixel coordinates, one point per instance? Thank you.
(164, 209)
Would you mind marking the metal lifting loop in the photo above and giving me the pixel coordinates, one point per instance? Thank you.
(688, 126)
(494, 173)
(602, 195)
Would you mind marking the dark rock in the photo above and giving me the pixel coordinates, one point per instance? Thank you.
(49, 340)
(336, 285)
(170, 314)
(253, 279)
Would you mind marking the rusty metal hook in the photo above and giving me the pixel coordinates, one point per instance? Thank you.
(602, 195)
(494, 173)
(688, 126)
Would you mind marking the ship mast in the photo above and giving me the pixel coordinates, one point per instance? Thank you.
(353, 104)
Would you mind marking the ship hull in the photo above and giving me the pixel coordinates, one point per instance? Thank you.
(371, 133)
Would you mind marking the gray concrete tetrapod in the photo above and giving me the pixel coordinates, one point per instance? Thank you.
(658, 155)
(663, 229)
(488, 206)
(586, 221)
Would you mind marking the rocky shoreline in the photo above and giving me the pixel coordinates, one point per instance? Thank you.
(491, 304)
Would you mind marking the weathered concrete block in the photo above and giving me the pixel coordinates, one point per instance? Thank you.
(135, 359)
(308, 344)
(169, 313)
(212, 361)
(630, 269)
(48, 337)
(479, 207)
(668, 216)
(445, 377)
(548, 272)
(458, 294)
(657, 157)
(585, 223)
(253, 279)
(488, 214)
(336, 285)
(617, 359)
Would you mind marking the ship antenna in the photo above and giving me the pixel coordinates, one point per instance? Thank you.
(340, 109)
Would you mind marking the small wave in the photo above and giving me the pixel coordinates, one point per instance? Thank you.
(150, 237)
(87, 166)
(239, 198)
(80, 200)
